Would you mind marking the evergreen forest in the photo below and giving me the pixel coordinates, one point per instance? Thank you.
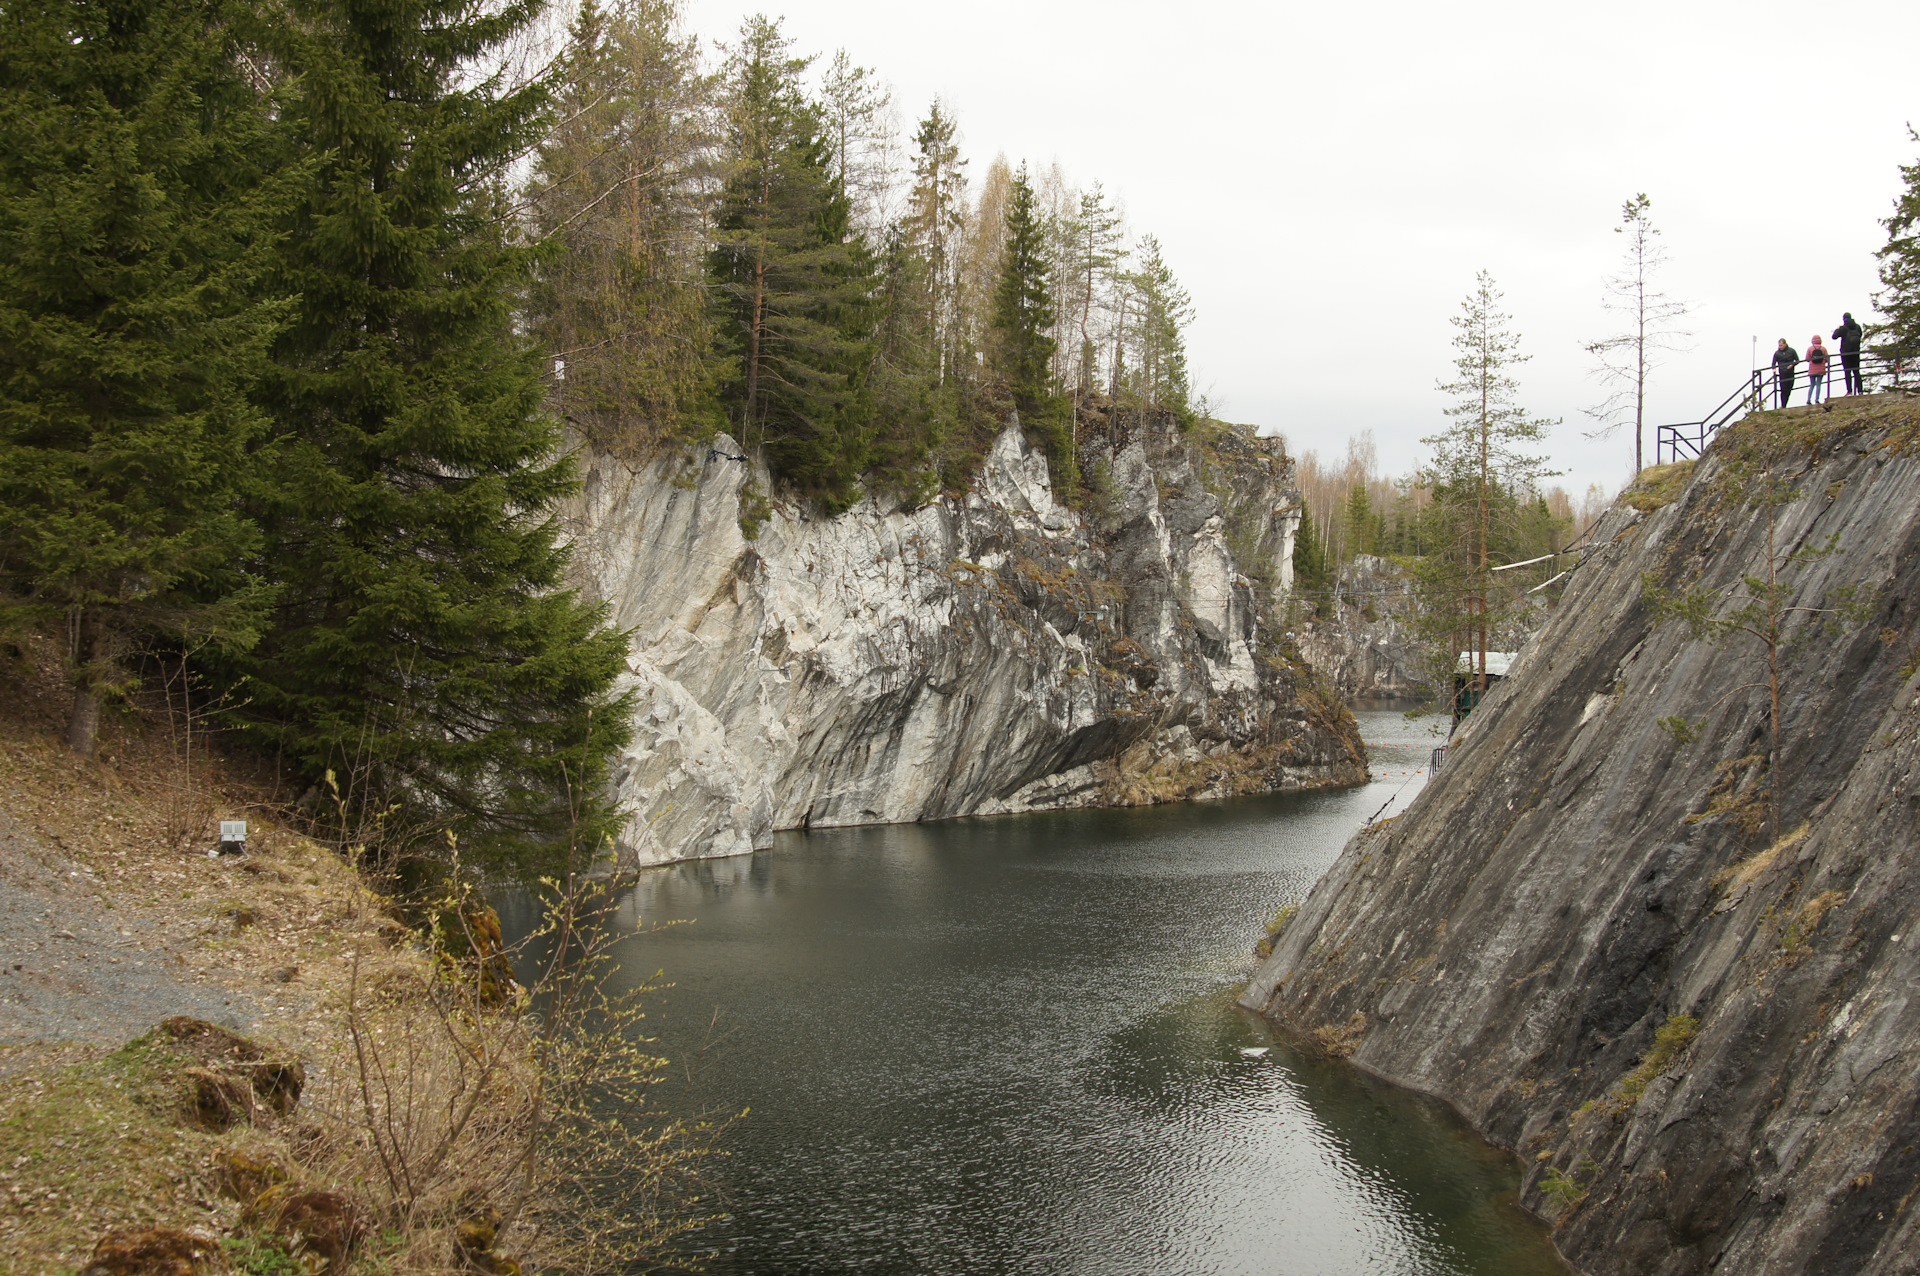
(305, 306)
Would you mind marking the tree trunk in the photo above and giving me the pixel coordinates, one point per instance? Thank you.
(84, 721)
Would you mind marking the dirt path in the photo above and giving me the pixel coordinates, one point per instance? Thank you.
(78, 967)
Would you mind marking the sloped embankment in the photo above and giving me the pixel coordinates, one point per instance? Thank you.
(1706, 1048)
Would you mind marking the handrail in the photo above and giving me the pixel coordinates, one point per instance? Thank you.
(1686, 439)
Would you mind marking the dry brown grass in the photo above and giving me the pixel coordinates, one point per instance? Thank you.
(432, 1099)
(1658, 485)
(1341, 1042)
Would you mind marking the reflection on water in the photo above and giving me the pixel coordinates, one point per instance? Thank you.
(1008, 1045)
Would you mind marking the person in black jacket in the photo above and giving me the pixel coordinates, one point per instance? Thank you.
(1848, 334)
(1785, 360)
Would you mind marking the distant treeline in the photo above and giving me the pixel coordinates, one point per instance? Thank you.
(297, 300)
(1350, 507)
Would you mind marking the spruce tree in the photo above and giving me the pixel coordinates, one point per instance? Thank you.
(795, 285)
(934, 221)
(426, 650)
(1899, 336)
(1310, 574)
(1365, 529)
(134, 218)
(1022, 314)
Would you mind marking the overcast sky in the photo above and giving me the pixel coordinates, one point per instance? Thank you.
(1327, 179)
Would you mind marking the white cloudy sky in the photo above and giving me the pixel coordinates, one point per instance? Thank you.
(1327, 179)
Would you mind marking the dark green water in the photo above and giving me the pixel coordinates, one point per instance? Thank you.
(1008, 1046)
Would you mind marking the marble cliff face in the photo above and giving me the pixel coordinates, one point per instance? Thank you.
(1701, 1036)
(983, 653)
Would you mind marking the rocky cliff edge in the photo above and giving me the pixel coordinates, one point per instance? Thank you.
(984, 653)
(1703, 1041)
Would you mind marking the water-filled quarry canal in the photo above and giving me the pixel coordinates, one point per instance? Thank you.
(1008, 1045)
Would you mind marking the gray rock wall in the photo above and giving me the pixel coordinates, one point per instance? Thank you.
(1365, 640)
(1575, 879)
(977, 655)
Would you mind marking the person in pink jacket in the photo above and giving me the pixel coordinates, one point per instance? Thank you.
(1816, 370)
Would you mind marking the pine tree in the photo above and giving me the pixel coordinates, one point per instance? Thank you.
(425, 648)
(135, 217)
(1481, 458)
(1899, 336)
(619, 202)
(1097, 251)
(1022, 315)
(796, 286)
(858, 122)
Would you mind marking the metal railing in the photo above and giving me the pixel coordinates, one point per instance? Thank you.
(1766, 388)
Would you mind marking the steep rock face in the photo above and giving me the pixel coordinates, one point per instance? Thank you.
(1575, 879)
(977, 655)
(1364, 641)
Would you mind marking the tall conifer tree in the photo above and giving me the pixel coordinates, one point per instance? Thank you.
(1097, 250)
(1162, 310)
(1022, 315)
(1899, 336)
(1311, 572)
(795, 285)
(1481, 460)
(934, 220)
(134, 217)
(426, 649)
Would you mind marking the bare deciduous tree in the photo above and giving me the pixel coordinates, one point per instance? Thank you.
(1627, 357)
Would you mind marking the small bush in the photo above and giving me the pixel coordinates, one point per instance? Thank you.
(1567, 1188)
(1669, 1040)
(755, 509)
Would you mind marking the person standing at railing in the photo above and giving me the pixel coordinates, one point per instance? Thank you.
(1816, 371)
(1848, 334)
(1785, 360)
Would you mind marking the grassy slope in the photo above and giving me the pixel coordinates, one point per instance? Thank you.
(90, 1128)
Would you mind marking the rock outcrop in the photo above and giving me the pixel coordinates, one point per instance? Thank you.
(1364, 639)
(1703, 1038)
(984, 653)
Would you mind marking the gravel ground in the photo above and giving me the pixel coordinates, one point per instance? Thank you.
(78, 967)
